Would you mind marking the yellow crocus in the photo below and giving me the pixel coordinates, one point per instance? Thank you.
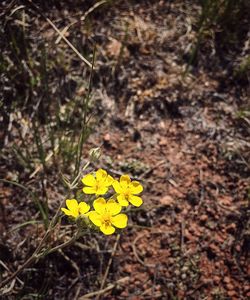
(107, 216)
(97, 184)
(127, 191)
(75, 209)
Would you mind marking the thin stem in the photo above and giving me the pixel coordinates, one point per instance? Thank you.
(50, 229)
(61, 35)
(35, 255)
(12, 276)
(63, 245)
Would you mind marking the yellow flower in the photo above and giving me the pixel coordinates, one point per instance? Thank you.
(75, 209)
(107, 215)
(97, 184)
(127, 190)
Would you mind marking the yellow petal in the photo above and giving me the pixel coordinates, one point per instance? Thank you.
(69, 213)
(101, 175)
(109, 180)
(101, 190)
(89, 180)
(113, 207)
(117, 187)
(100, 205)
(136, 187)
(122, 201)
(125, 181)
(107, 229)
(89, 190)
(83, 208)
(135, 200)
(72, 205)
(120, 221)
(95, 218)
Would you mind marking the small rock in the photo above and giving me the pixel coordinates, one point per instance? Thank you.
(217, 279)
(226, 279)
(230, 287)
(238, 248)
(232, 293)
(203, 218)
(106, 137)
(137, 282)
(167, 200)
(127, 268)
(124, 294)
(163, 142)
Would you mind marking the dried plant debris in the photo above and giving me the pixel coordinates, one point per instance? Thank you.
(169, 106)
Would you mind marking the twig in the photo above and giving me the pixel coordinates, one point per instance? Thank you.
(154, 280)
(4, 265)
(199, 286)
(16, 9)
(103, 291)
(156, 295)
(48, 157)
(152, 169)
(36, 253)
(136, 254)
(182, 235)
(73, 264)
(61, 35)
(61, 246)
(83, 247)
(25, 265)
(82, 19)
(233, 211)
(202, 189)
(7, 290)
(109, 264)
(78, 289)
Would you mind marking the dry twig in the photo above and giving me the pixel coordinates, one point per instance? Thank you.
(62, 36)
(136, 254)
(82, 19)
(109, 264)
(103, 291)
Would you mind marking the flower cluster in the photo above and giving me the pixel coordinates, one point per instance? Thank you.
(106, 213)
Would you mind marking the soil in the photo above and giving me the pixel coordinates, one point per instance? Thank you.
(179, 134)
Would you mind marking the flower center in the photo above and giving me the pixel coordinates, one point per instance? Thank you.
(126, 195)
(97, 186)
(106, 220)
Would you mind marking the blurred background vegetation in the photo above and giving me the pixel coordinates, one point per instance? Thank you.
(48, 105)
(44, 84)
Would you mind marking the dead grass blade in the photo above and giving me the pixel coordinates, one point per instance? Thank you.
(82, 19)
(61, 35)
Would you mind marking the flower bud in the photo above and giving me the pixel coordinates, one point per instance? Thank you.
(94, 154)
(82, 222)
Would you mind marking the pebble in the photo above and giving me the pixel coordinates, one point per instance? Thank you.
(203, 218)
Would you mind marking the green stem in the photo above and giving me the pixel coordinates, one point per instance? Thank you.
(35, 256)
(61, 246)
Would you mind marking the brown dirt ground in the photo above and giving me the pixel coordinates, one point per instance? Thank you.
(180, 136)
